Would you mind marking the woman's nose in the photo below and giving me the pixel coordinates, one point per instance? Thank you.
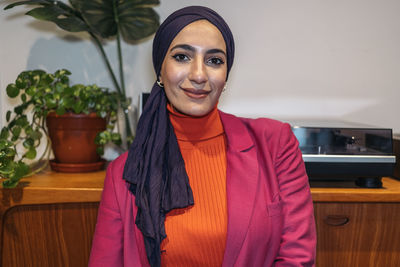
(198, 73)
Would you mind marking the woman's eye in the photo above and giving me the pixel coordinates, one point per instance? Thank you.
(215, 61)
(180, 57)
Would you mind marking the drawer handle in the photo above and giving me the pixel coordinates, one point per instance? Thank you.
(336, 220)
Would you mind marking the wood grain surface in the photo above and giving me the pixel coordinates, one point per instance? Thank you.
(390, 192)
(49, 219)
(370, 238)
(48, 235)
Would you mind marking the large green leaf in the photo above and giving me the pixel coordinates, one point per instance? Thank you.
(12, 90)
(31, 2)
(64, 18)
(134, 18)
(58, 12)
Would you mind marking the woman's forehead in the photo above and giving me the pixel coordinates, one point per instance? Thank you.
(200, 33)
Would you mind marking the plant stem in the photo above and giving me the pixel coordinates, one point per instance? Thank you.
(46, 161)
(119, 51)
(121, 66)
(121, 73)
(120, 92)
(100, 46)
(128, 125)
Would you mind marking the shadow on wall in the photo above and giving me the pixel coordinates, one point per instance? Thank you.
(84, 60)
(380, 114)
(81, 58)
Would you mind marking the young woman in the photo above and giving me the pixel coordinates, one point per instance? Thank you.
(200, 187)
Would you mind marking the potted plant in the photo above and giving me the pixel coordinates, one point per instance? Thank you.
(131, 20)
(49, 107)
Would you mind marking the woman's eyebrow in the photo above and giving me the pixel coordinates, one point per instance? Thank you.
(192, 49)
(215, 51)
(184, 47)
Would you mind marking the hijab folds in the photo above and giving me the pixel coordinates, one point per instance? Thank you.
(154, 169)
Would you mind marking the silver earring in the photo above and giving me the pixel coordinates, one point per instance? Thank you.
(160, 84)
(224, 89)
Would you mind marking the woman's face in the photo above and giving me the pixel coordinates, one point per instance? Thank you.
(194, 69)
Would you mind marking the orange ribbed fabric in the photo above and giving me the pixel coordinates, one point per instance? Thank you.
(196, 235)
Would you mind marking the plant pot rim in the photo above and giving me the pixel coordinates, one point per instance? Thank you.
(74, 115)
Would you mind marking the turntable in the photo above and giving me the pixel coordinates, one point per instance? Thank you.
(339, 151)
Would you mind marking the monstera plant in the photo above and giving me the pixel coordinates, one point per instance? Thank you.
(103, 20)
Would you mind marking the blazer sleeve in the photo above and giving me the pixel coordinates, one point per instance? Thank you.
(298, 243)
(107, 246)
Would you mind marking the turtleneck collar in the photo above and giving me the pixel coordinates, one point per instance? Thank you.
(188, 128)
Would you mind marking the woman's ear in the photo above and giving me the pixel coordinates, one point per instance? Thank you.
(159, 82)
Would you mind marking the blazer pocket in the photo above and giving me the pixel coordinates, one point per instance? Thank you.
(274, 209)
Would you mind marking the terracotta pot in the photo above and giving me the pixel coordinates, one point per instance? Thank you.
(72, 137)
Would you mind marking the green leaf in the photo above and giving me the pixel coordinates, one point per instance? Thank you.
(8, 116)
(62, 72)
(69, 91)
(20, 170)
(21, 83)
(50, 102)
(31, 90)
(116, 138)
(45, 13)
(100, 150)
(28, 143)
(46, 80)
(78, 107)
(35, 135)
(23, 98)
(10, 153)
(12, 90)
(21, 108)
(135, 19)
(58, 12)
(31, 2)
(60, 110)
(69, 102)
(59, 87)
(102, 138)
(136, 24)
(4, 134)
(22, 121)
(31, 154)
(72, 24)
(10, 183)
(16, 131)
(3, 144)
(61, 14)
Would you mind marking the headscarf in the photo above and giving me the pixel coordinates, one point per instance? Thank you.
(154, 169)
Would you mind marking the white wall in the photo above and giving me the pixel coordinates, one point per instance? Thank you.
(299, 59)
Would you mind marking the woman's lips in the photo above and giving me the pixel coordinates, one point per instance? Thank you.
(194, 93)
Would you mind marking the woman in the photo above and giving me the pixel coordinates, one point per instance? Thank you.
(200, 187)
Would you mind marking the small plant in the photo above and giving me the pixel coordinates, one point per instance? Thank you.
(41, 93)
(103, 20)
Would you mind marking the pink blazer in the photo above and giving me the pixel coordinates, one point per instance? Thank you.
(270, 211)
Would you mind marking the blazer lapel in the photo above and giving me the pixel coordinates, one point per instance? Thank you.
(241, 184)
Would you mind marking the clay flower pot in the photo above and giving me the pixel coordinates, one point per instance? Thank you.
(72, 136)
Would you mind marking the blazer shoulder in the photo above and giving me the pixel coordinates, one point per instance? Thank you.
(119, 162)
(115, 169)
(261, 127)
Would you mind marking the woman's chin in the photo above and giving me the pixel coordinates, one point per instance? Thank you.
(195, 110)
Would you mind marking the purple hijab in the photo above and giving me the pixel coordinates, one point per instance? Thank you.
(154, 169)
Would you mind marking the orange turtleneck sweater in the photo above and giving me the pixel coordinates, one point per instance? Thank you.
(196, 235)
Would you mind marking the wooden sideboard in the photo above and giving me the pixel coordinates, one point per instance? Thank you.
(358, 227)
(49, 220)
